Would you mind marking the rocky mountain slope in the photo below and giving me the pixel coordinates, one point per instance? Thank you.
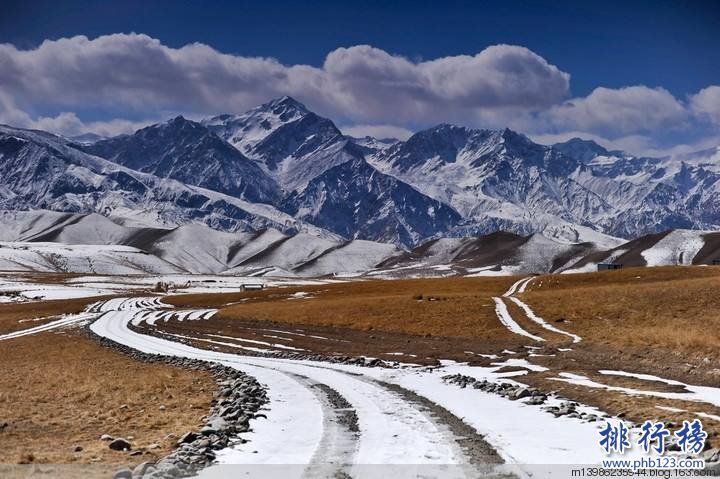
(503, 180)
(43, 171)
(186, 151)
(282, 166)
(355, 200)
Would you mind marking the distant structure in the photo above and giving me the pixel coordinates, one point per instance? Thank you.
(252, 286)
(608, 266)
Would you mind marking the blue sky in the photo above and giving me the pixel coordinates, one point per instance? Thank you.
(549, 69)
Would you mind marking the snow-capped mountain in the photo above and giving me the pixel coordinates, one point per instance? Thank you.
(496, 180)
(291, 143)
(39, 170)
(648, 195)
(282, 166)
(502, 180)
(187, 151)
(326, 178)
(355, 200)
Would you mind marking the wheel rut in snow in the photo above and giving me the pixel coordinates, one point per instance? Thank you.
(346, 415)
(479, 455)
(474, 447)
(339, 443)
(344, 440)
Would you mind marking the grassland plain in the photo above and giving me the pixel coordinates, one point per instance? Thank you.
(449, 307)
(675, 309)
(660, 321)
(60, 391)
(19, 316)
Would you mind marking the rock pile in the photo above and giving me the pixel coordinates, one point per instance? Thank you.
(238, 399)
(569, 409)
(507, 390)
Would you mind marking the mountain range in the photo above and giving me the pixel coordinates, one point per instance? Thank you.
(51, 241)
(280, 166)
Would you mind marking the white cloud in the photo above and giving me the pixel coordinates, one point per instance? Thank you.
(706, 104)
(376, 92)
(623, 111)
(65, 123)
(377, 131)
(360, 83)
(371, 84)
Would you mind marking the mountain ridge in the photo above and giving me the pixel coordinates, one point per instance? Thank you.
(54, 241)
(281, 165)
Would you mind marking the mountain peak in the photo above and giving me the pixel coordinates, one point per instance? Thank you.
(284, 105)
(512, 135)
(188, 151)
(577, 141)
(580, 149)
(444, 127)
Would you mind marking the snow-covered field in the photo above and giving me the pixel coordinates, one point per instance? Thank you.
(17, 287)
(14, 288)
(393, 430)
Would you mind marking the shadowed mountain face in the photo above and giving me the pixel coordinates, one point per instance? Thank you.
(355, 200)
(189, 152)
(42, 171)
(281, 165)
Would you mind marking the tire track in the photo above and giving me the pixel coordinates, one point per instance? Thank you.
(62, 322)
(394, 426)
(507, 320)
(537, 319)
(505, 317)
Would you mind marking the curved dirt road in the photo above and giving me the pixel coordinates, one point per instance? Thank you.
(308, 402)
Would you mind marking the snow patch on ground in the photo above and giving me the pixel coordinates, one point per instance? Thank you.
(695, 393)
(678, 247)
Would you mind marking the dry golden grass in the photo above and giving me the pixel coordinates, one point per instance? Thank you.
(451, 307)
(59, 391)
(674, 308)
(627, 276)
(12, 313)
(660, 321)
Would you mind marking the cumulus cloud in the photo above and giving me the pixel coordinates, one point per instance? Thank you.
(369, 83)
(64, 123)
(373, 91)
(706, 104)
(361, 83)
(633, 109)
